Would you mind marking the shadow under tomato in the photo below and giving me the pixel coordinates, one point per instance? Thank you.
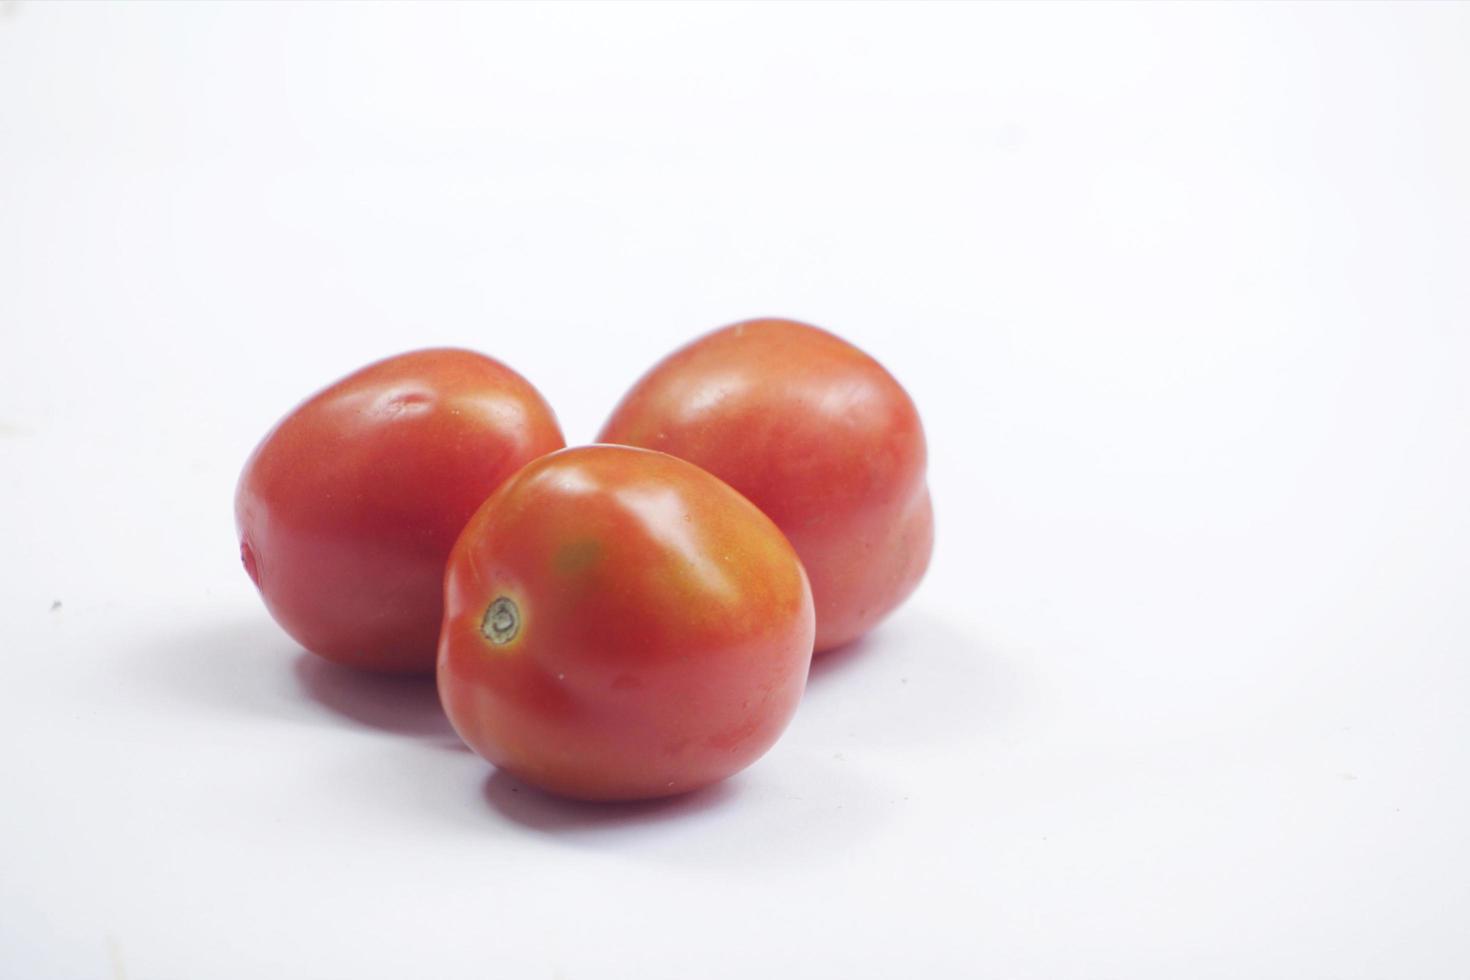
(239, 666)
(248, 666)
(936, 679)
(394, 704)
(538, 810)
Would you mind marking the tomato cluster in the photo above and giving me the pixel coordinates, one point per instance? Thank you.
(624, 620)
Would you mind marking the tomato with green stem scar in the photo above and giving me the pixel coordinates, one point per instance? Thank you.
(620, 624)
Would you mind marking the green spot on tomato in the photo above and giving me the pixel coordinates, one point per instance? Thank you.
(578, 556)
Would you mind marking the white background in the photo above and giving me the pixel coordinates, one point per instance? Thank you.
(1182, 293)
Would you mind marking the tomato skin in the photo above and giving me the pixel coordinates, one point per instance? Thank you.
(347, 509)
(819, 436)
(660, 633)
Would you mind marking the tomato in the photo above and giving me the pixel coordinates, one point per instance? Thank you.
(349, 506)
(819, 436)
(619, 624)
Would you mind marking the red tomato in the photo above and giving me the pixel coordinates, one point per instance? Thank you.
(819, 436)
(349, 506)
(619, 624)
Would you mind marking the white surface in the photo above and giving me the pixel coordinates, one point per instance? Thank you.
(1181, 293)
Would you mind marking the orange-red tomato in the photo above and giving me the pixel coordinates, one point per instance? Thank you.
(619, 624)
(349, 506)
(819, 436)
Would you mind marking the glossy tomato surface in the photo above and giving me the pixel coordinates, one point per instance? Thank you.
(619, 624)
(819, 436)
(347, 509)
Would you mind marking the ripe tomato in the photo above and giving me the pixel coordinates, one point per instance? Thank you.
(820, 437)
(619, 624)
(349, 506)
